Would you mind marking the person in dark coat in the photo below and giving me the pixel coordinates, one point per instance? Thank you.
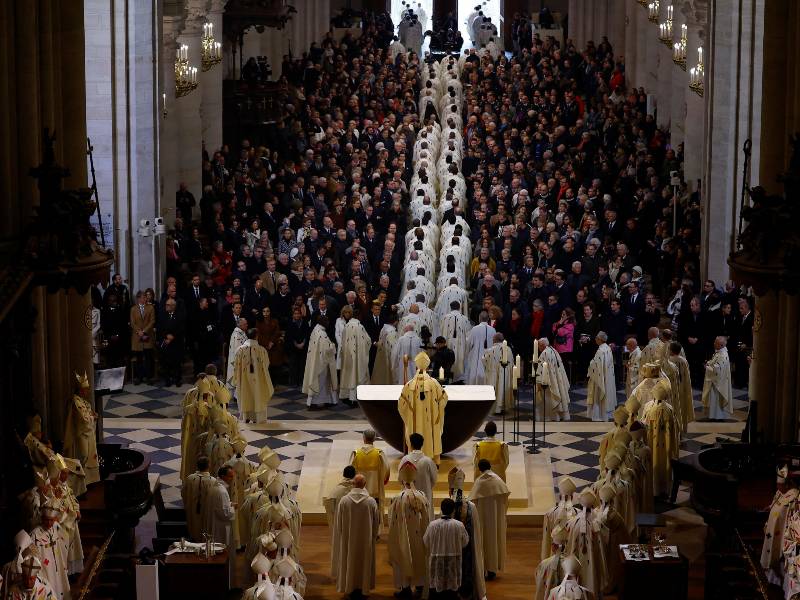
(296, 345)
(171, 332)
(203, 336)
(443, 358)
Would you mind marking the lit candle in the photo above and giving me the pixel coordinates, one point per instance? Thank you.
(505, 352)
(535, 353)
(544, 371)
(218, 50)
(700, 55)
(211, 27)
(515, 377)
(683, 30)
(164, 102)
(676, 50)
(441, 373)
(518, 365)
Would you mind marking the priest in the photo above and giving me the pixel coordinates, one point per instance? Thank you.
(80, 431)
(238, 337)
(421, 406)
(478, 341)
(655, 350)
(498, 371)
(602, 393)
(586, 539)
(354, 536)
(50, 544)
(490, 495)
(242, 469)
(370, 461)
(455, 329)
(340, 490)
(549, 573)
(320, 380)
(29, 583)
(717, 390)
(445, 540)
(663, 437)
(634, 359)
(382, 371)
(195, 422)
(408, 521)
(195, 493)
(356, 345)
(450, 295)
(682, 393)
(252, 380)
(407, 347)
(491, 449)
(552, 383)
(425, 470)
(570, 588)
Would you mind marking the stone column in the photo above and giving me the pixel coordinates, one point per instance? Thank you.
(629, 52)
(576, 8)
(190, 138)
(211, 89)
(598, 21)
(616, 24)
(642, 39)
(664, 72)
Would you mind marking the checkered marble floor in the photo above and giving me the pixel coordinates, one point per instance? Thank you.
(146, 418)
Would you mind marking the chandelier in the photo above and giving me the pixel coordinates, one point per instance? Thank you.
(652, 11)
(696, 74)
(185, 75)
(212, 49)
(642, 3)
(679, 49)
(665, 29)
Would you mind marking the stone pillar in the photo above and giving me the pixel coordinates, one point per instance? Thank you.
(211, 90)
(629, 52)
(598, 21)
(576, 8)
(664, 72)
(642, 31)
(617, 25)
(733, 61)
(190, 138)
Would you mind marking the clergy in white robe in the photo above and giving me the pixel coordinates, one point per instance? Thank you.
(570, 588)
(408, 521)
(320, 380)
(426, 472)
(550, 573)
(586, 539)
(356, 345)
(655, 350)
(682, 391)
(354, 537)
(454, 327)
(490, 495)
(382, 370)
(80, 432)
(242, 469)
(602, 392)
(552, 384)
(634, 355)
(407, 347)
(479, 340)
(222, 515)
(784, 504)
(717, 389)
(452, 293)
(238, 337)
(50, 543)
(195, 492)
(445, 540)
(331, 500)
(498, 371)
(252, 380)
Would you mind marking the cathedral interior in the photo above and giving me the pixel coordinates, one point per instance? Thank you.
(556, 235)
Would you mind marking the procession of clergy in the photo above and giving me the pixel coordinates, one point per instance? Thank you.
(250, 507)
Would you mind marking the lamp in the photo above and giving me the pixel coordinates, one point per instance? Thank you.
(696, 74)
(653, 10)
(665, 29)
(211, 49)
(679, 49)
(185, 75)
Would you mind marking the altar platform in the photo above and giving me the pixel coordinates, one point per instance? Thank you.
(529, 478)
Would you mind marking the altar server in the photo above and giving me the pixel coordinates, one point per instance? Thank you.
(408, 521)
(354, 537)
(602, 396)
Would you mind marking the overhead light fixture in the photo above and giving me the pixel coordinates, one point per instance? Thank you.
(185, 75)
(696, 74)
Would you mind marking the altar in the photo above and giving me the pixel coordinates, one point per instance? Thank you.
(466, 410)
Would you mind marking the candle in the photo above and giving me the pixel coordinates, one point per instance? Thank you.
(515, 377)
(700, 55)
(518, 365)
(505, 352)
(164, 102)
(217, 49)
(441, 373)
(544, 371)
(535, 352)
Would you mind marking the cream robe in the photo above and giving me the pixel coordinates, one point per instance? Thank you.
(41, 590)
(423, 416)
(717, 390)
(274, 514)
(382, 369)
(353, 546)
(79, 437)
(427, 474)
(478, 341)
(221, 515)
(242, 469)
(51, 548)
(69, 522)
(356, 345)
(490, 496)
(253, 383)
(669, 371)
(552, 386)
(569, 589)
(408, 521)
(644, 391)
(238, 337)
(663, 438)
(558, 516)
(408, 344)
(445, 540)
(195, 492)
(219, 450)
(194, 422)
(455, 329)
(682, 392)
(254, 500)
(331, 501)
(320, 379)
(548, 575)
(632, 372)
(644, 498)
(452, 293)
(783, 505)
(602, 396)
(654, 352)
(499, 377)
(586, 539)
